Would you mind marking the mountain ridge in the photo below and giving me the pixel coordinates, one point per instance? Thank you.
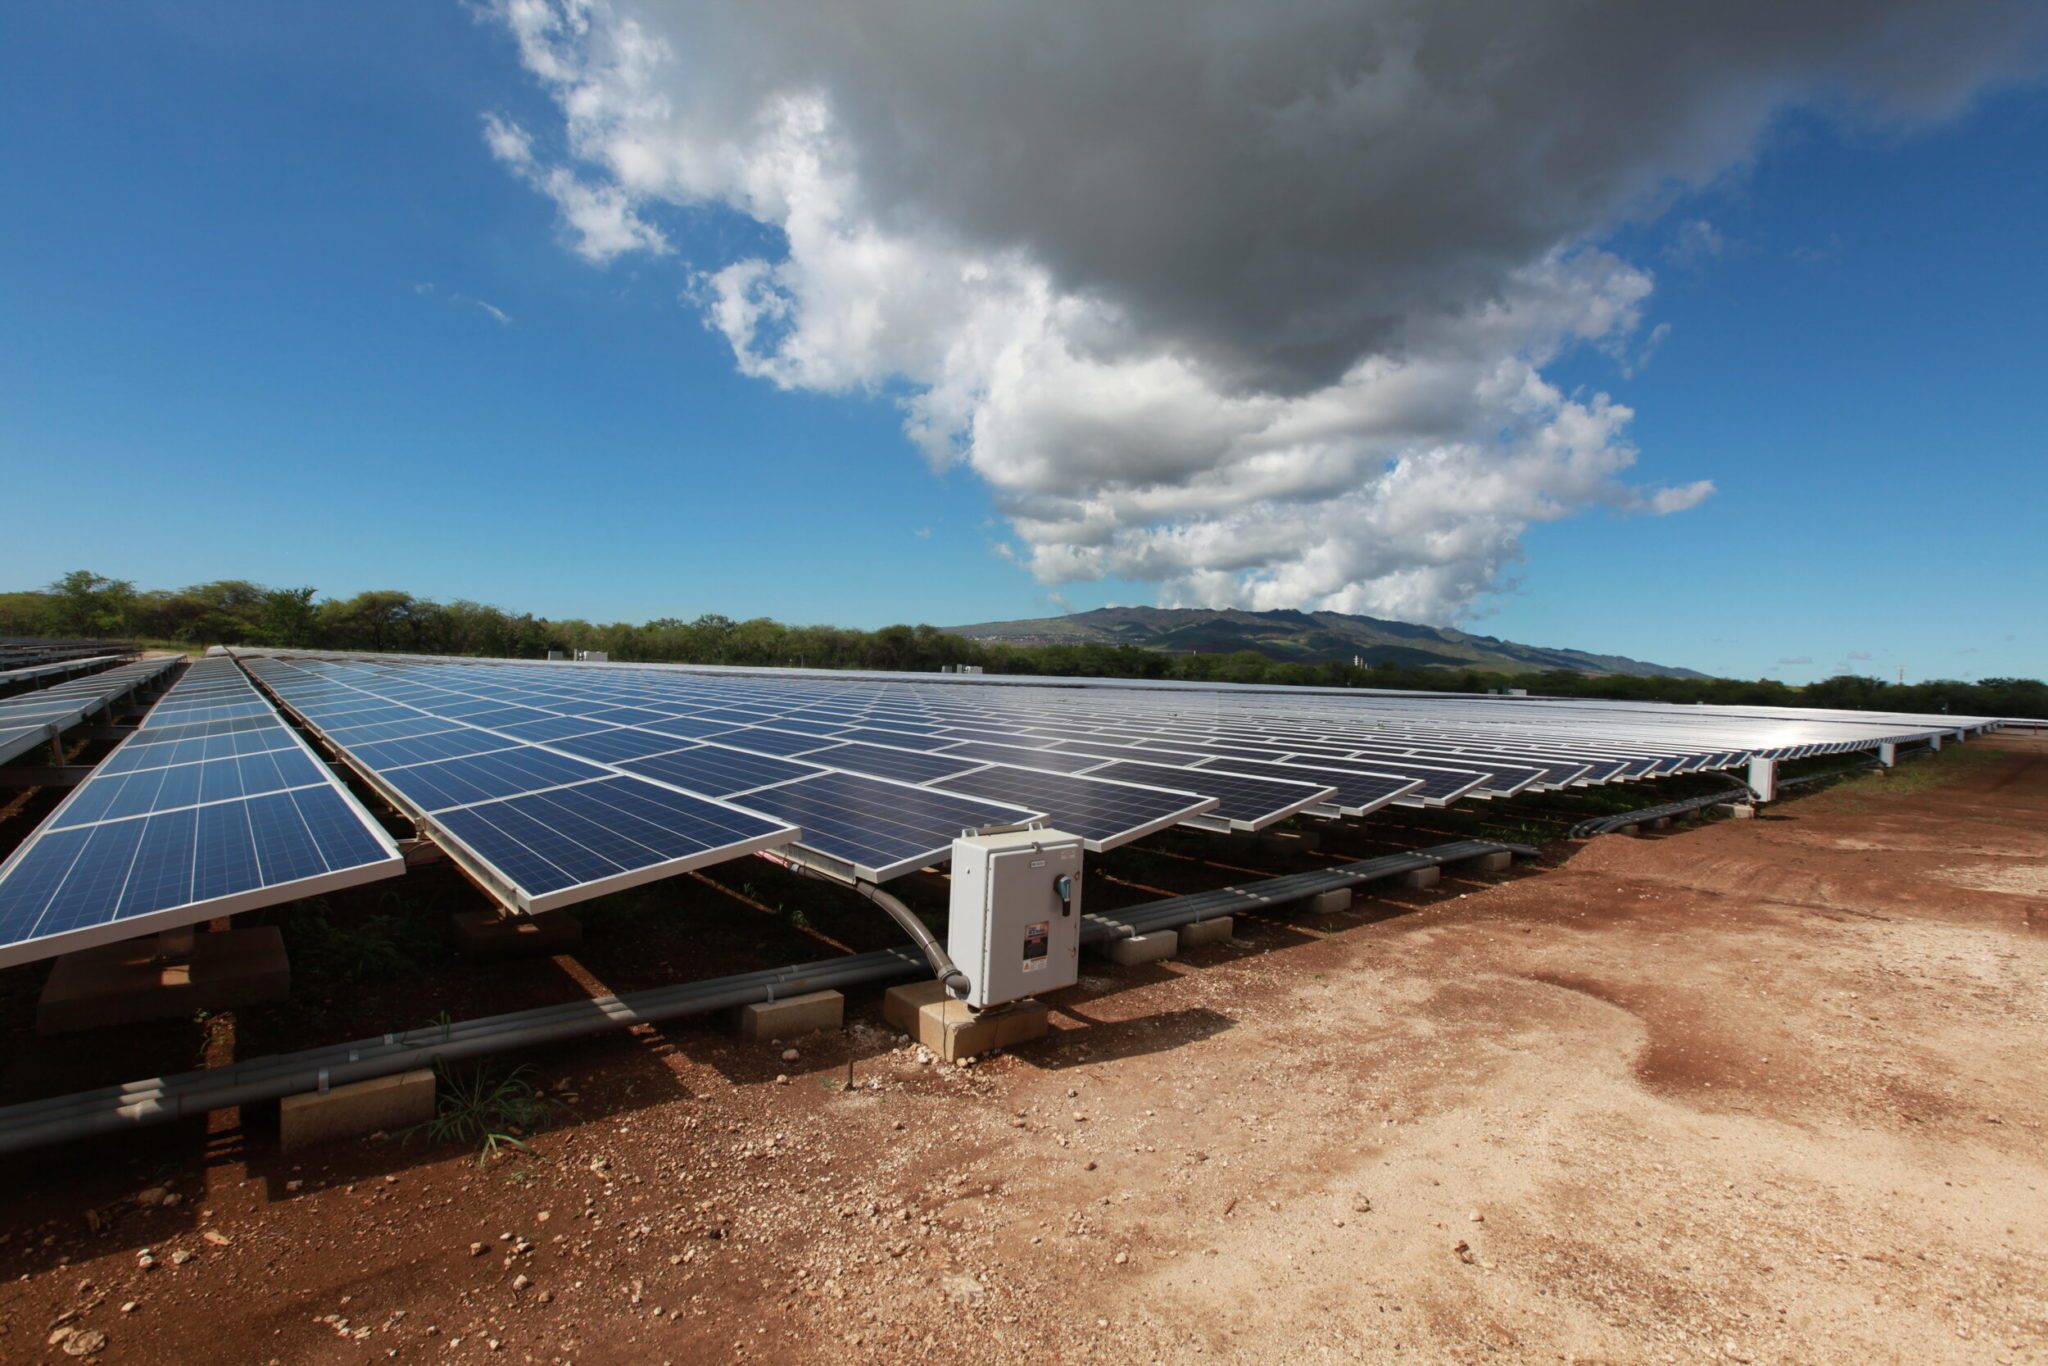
(1305, 638)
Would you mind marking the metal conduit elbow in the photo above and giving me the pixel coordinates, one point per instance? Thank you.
(943, 966)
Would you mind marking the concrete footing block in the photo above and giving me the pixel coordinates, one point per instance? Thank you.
(136, 981)
(1499, 861)
(1740, 811)
(1422, 877)
(794, 1015)
(1140, 948)
(487, 934)
(1331, 902)
(363, 1107)
(1661, 823)
(948, 1028)
(1199, 932)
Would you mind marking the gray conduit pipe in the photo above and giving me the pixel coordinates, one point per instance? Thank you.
(943, 967)
(162, 1100)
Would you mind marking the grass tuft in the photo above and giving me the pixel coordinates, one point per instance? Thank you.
(491, 1111)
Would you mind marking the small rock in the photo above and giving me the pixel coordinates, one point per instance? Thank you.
(1464, 1251)
(476, 1249)
(1122, 1257)
(520, 1282)
(154, 1195)
(173, 1200)
(217, 1238)
(130, 1306)
(180, 1257)
(782, 1079)
(85, 1342)
(58, 1335)
(1476, 1217)
(294, 1185)
(789, 1055)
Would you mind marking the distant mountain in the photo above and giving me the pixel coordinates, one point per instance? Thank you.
(1304, 638)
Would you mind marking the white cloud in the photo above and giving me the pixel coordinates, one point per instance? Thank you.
(601, 217)
(1694, 243)
(923, 533)
(1254, 305)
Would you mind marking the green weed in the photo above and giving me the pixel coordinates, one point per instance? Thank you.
(478, 1106)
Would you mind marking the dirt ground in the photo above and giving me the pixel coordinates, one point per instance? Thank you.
(1766, 1090)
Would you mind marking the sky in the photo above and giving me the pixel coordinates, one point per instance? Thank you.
(1713, 340)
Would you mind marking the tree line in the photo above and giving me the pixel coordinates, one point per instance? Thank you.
(239, 612)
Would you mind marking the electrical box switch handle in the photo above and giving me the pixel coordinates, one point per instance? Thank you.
(1064, 885)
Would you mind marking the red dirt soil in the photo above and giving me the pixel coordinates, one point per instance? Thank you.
(1765, 1090)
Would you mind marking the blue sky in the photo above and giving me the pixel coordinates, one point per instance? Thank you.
(273, 311)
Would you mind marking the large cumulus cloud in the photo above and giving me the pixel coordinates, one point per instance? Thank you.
(1251, 302)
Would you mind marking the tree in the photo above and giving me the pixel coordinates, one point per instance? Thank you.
(289, 617)
(89, 604)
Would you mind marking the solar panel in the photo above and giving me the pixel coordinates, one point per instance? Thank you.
(879, 829)
(226, 815)
(1244, 803)
(718, 771)
(1050, 760)
(1104, 814)
(1354, 792)
(911, 766)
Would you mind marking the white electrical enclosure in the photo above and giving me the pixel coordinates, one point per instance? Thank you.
(1014, 926)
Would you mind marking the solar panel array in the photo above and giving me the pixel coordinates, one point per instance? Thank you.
(214, 805)
(30, 719)
(30, 673)
(542, 826)
(558, 782)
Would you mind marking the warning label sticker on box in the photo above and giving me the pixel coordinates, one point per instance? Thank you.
(1037, 944)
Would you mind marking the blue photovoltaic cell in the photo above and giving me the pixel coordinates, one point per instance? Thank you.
(548, 842)
(995, 737)
(768, 741)
(1246, 800)
(922, 738)
(1356, 791)
(427, 749)
(908, 765)
(485, 777)
(613, 746)
(630, 716)
(876, 826)
(687, 728)
(551, 728)
(717, 771)
(825, 730)
(1050, 760)
(1103, 813)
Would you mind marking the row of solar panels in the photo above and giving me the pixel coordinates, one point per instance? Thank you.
(31, 673)
(33, 718)
(17, 652)
(555, 783)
